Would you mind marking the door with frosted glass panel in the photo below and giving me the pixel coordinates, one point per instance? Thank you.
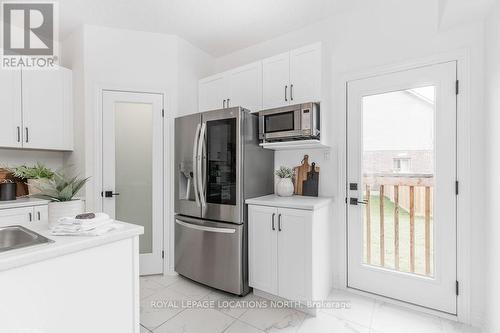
(401, 157)
(132, 160)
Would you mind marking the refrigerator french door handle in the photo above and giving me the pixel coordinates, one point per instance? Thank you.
(203, 228)
(195, 164)
(201, 187)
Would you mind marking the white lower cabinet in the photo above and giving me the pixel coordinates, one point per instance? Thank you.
(289, 252)
(12, 216)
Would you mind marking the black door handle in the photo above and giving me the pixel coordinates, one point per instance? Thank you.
(109, 194)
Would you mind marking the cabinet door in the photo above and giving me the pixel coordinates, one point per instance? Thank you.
(211, 92)
(14, 216)
(10, 109)
(41, 213)
(245, 86)
(305, 74)
(294, 254)
(262, 248)
(275, 81)
(47, 109)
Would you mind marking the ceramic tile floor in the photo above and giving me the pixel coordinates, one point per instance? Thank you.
(171, 304)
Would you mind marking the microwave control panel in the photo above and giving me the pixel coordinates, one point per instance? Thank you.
(306, 119)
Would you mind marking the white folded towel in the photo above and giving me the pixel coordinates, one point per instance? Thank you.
(99, 225)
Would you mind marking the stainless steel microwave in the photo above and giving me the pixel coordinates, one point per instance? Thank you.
(292, 122)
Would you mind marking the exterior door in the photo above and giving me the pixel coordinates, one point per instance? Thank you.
(401, 186)
(132, 168)
(220, 167)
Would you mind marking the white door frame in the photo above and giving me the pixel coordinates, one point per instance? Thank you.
(463, 175)
(96, 135)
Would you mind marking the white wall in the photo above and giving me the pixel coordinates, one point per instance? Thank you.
(382, 33)
(492, 228)
(72, 57)
(15, 157)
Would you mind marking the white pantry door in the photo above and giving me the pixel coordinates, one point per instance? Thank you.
(401, 184)
(132, 166)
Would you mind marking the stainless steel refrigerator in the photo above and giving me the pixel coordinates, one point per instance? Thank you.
(218, 164)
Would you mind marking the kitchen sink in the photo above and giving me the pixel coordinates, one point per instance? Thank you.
(16, 237)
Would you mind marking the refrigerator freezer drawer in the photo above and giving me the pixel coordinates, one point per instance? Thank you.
(211, 253)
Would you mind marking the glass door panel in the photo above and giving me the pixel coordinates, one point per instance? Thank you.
(398, 178)
(221, 162)
(133, 168)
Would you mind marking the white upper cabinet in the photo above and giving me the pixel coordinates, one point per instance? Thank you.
(47, 109)
(245, 86)
(36, 108)
(241, 86)
(293, 77)
(10, 109)
(211, 92)
(276, 81)
(305, 74)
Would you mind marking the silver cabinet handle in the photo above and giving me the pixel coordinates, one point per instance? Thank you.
(279, 222)
(39, 217)
(201, 189)
(228, 101)
(30, 216)
(286, 88)
(272, 223)
(203, 228)
(195, 163)
(224, 104)
(27, 134)
(291, 92)
(18, 134)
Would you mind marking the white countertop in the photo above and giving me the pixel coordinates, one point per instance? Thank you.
(23, 202)
(63, 244)
(296, 202)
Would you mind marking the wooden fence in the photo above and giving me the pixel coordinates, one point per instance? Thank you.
(414, 194)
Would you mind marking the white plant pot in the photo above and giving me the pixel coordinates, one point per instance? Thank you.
(284, 188)
(64, 209)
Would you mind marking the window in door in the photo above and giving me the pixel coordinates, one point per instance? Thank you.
(398, 128)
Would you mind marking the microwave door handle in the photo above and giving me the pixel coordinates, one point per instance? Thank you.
(201, 189)
(195, 164)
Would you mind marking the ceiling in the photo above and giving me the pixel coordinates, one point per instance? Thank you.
(218, 27)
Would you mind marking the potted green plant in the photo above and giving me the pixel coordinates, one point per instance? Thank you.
(33, 175)
(61, 190)
(284, 188)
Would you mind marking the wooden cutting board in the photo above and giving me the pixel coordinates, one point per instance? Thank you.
(300, 173)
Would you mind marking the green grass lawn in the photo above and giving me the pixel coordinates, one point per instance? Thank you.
(404, 238)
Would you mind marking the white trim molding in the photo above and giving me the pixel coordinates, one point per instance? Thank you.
(464, 241)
